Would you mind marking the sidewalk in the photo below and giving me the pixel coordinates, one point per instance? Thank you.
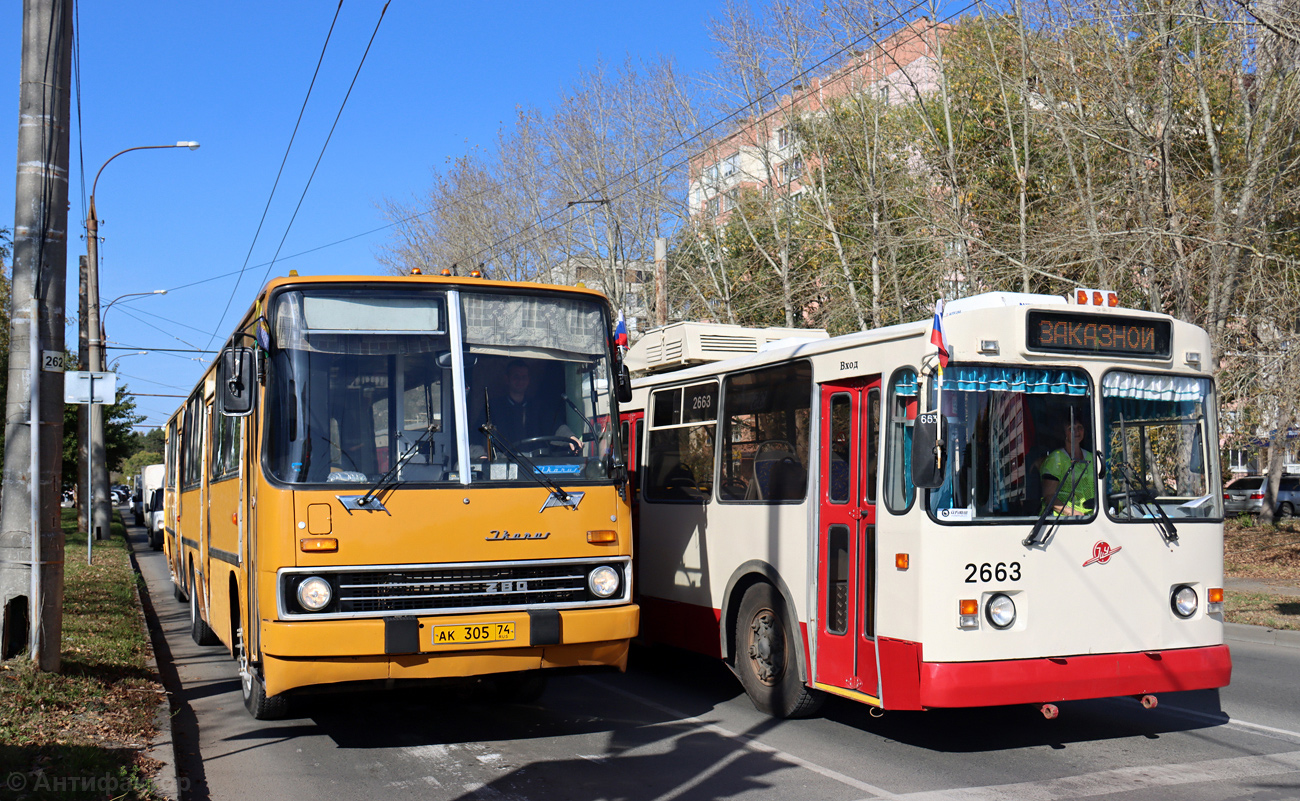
(166, 785)
(1250, 585)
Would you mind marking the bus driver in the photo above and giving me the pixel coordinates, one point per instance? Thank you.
(1069, 471)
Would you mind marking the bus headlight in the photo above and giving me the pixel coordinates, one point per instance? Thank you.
(603, 582)
(1000, 611)
(314, 594)
(1183, 601)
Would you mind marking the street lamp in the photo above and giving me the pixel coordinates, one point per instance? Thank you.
(112, 365)
(103, 313)
(95, 453)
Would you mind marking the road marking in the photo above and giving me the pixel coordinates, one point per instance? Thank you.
(1123, 780)
(1232, 723)
(748, 742)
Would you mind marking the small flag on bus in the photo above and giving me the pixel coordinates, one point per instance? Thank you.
(620, 332)
(937, 337)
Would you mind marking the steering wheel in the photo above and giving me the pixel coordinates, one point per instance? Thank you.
(550, 446)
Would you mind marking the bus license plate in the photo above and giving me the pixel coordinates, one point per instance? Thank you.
(471, 634)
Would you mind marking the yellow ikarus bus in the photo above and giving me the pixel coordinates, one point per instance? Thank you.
(415, 477)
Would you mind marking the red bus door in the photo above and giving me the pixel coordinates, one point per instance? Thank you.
(846, 574)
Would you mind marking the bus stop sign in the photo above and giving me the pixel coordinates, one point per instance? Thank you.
(87, 387)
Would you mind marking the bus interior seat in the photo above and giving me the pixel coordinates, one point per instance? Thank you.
(778, 475)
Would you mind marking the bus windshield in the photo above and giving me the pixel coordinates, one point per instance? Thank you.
(1155, 445)
(363, 382)
(1017, 441)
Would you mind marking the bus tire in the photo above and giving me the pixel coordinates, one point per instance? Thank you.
(200, 631)
(256, 701)
(766, 659)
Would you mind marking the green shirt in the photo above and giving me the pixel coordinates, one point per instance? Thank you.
(1078, 486)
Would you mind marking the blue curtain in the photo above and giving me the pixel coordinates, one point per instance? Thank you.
(1026, 380)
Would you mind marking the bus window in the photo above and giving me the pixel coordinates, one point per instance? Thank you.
(1017, 440)
(680, 461)
(1155, 446)
(765, 422)
(899, 491)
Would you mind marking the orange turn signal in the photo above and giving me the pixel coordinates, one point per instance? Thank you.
(970, 606)
(1216, 595)
(318, 544)
(416, 271)
(602, 536)
(446, 271)
(900, 561)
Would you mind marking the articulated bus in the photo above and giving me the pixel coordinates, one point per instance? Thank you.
(1038, 521)
(353, 493)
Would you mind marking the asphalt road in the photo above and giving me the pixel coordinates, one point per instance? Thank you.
(678, 727)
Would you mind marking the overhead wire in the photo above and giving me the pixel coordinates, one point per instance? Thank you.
(316, 166)
(283, 161)
(720, 121)
(491, 249)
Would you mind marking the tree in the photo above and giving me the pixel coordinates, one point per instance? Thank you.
(120, 440)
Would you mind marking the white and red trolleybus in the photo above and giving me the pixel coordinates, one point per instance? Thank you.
(1038, 522)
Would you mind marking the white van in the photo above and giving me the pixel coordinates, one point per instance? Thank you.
(151, 482)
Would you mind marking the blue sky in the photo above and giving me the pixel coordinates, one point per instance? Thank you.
(440, 78)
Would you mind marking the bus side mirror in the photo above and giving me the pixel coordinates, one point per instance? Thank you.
(927, 451)
(236, 379)
(624, 382)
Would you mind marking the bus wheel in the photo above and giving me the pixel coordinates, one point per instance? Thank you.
(765, 657)
(200, 631)
(254, 689)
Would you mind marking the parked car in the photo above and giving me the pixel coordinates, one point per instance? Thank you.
(1246, 495)
(1288, 496)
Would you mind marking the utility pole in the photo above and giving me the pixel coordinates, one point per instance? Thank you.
(31, 539)
(83, 410)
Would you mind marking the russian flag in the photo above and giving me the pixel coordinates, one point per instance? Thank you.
(620, 332)
(937, 337)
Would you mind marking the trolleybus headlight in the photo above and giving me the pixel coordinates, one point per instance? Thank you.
(314, 594)
(603, 581)
(1000, 611)
(1183, 600)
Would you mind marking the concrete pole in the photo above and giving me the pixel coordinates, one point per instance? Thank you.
(101, 515)
(33, 464)
(83, 410)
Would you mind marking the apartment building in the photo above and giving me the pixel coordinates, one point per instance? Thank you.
(762, 153)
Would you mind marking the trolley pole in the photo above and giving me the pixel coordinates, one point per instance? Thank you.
(31, 539)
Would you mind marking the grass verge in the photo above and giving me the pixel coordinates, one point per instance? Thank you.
(82, 733)
(1266, 553)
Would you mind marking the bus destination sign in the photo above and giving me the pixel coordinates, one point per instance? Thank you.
(1065, 332)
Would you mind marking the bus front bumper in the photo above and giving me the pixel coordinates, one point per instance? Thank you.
(301, 653)
(1035, 681)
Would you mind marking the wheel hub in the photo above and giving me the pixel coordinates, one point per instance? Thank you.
(765, 647)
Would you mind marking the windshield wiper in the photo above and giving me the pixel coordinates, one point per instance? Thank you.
(1144, 499)
(564, 498)
(1049, 507)
(373, 499)
(590, 425)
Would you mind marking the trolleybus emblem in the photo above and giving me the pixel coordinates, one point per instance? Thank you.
(1102, 552)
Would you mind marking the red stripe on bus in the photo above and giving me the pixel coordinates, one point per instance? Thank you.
(1032, 681)
(689, 626)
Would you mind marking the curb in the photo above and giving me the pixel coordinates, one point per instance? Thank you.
(1262, 635)
(166, 784)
